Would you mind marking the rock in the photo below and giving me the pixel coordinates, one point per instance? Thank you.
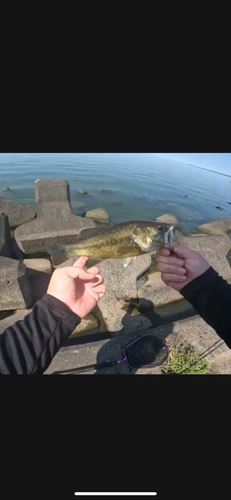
(6, 244)
(81, 191)
(55, 223)
(5, 189)
(18, 214)
(38, 272)
(220, 226)
(98, 215)
(213, 248)
(168, 218)
(120, 277)
(88, 324)
(218, 207)
(14, 285)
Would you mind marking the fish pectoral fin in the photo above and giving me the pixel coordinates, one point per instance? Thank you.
(92, 263)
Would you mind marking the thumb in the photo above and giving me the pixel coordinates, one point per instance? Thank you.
(183, 252)
(81, 261)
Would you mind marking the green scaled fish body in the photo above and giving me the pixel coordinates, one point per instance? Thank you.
(127, 239)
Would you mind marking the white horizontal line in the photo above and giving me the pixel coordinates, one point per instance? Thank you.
(117, 493)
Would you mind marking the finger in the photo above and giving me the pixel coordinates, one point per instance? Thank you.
(167, 278)
(173, 261)
(93, 270)
(164, 252)
(99, 288)
(98, 280)
(99, 294)
(183, 252)
(169, 269)
(76, 272)
(81, 261)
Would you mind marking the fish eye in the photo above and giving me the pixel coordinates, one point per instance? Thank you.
(160, 228)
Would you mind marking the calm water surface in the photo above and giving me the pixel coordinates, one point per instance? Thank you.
(143, 186)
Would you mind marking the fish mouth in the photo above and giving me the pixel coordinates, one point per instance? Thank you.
(169, 236)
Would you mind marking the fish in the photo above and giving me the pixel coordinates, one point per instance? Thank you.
(119, 241)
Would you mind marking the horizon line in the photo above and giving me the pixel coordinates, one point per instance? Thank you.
(208, 170)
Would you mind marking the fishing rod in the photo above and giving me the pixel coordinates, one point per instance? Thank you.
(204, 354)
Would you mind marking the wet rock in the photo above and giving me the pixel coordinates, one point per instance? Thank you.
(5, 189)
(218, 207)
(6, 243)
(167, 218)
(17, 213)
(14, 285)
(220, 226)
(98, 215)
(38, 272)
(55, 222)
(81, 191)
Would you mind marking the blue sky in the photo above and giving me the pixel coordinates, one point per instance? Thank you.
(221, 162)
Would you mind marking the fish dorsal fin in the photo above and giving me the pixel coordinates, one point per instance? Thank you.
(90, 233)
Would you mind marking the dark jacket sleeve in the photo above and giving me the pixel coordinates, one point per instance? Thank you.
(28, 346)
(210, 295)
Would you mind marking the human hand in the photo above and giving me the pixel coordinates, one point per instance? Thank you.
(178, 269)
(80, 290)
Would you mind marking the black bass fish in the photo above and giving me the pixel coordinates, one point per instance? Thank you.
(127, 239)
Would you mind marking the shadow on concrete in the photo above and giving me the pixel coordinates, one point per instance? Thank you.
(132, 328)
(146, 317)
(113, 349)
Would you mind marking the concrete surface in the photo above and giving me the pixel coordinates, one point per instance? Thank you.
(157, 292)
(195, 332)
(6, 243)
(14, 285)
(18, 213)
(38, 273)
(55, 222)
(12, 317)
(120, 278)
(219, 226)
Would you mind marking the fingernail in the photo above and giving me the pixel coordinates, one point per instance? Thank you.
(183, 278)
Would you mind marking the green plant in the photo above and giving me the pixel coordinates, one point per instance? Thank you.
(185, 358)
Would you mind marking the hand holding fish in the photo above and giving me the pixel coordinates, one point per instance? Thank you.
(180, 268)
(80, 290)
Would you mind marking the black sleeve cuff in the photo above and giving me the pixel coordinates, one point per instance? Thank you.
(61, 310)
(205, 279)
